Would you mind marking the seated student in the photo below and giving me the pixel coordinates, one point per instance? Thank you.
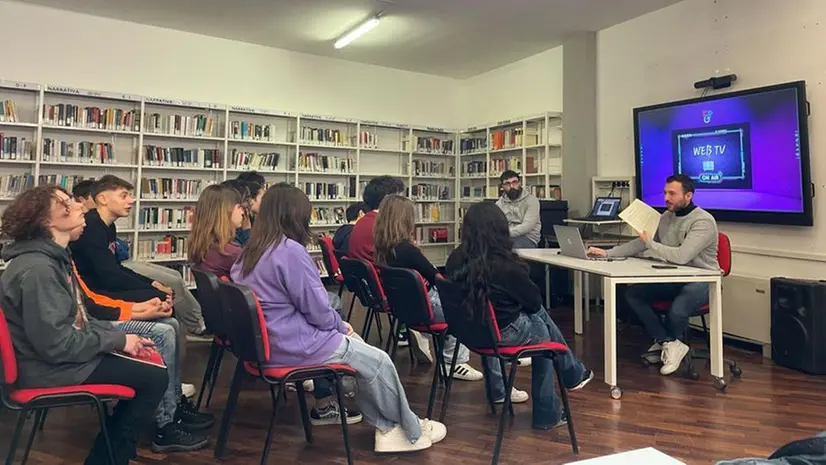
(486, 256)
(111, 200)
(218, 215)
(521, 208)
(686, 235)
(341, 238)
(254, 184)
(394, 236)
(176, 417)
(83, 192)
(55, 341)
(304, 330)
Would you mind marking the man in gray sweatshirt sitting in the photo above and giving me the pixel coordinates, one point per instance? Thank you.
(521, 208)
(687, 235)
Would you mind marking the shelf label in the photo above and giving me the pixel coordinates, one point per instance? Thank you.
(503, 122)
(92, 93)
(19, 85)
(184, 103)
(260, 112)
(328, 118)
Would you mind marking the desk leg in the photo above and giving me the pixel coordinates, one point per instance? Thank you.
(578, 302)
(587, 278)
(716, 328)
(610, 337)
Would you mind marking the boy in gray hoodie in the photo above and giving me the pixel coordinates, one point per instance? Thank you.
(521, 208)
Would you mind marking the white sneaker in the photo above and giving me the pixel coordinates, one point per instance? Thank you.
(394, 441)
(466, 372)
(188, 390)
(517, 397)
(524, 362)
(309, 385)
(437, 431)
(421, 346)
(655, 357)
(673, 354)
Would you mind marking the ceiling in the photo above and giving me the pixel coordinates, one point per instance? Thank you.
(453, 38)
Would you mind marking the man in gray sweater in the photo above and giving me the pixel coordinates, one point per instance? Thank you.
(521, 208)
(687, 235)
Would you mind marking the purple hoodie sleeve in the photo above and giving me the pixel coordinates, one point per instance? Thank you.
(307, 292)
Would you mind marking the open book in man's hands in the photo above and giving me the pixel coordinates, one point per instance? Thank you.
(147, 355)
(642, 217)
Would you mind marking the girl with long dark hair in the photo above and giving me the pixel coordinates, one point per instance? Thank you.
(488, 269)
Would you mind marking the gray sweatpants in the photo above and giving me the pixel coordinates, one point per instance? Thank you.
(187, 308)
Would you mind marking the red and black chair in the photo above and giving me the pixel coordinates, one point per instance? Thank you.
(409, 301)
(481, 335)
(331, 262)
(38, 400)
(363, 276)
(662, 307)
(349, 282)
(251, 345)
(216, 323)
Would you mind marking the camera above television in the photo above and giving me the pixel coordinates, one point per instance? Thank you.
(747, 152)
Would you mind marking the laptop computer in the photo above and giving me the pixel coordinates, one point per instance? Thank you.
(604, 209)
(571, 244)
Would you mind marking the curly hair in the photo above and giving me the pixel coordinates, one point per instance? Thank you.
(27, 215)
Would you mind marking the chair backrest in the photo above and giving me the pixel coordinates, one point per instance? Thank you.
(469, 331)
(248, 329)
(407, 295)
(7, 357)
(330, 260)
(724, 253)
(366, 278)
(350, 282)
(212, 304)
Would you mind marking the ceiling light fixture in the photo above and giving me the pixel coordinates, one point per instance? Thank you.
(359, 31)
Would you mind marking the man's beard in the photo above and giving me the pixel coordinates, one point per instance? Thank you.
(513, 194)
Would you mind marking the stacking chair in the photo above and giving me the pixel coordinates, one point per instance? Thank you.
(484, 339)
(251, 344)
(216, 323)
(349, 282)
(364, 277)
(331, 262)
(38, 400)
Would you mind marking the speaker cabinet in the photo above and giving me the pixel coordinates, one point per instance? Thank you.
(798, 331)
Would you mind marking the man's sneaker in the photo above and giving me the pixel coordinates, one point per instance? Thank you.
(517, 397)
(466, 372)
(586, 378)
(200, 336)
(188, 390)
(437, 431)
(524, 362)
(191, 419)
(421, 346)
(329, 415)
(403, 341)
(308, 385)
(173, 438)
(673, 354)
(562, 422)
(654, 354)
(395, 441)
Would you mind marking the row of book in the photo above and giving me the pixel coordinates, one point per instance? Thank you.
(172, 188)
(75, 116)
(434, 145)
(424, 191)
(266, 161)
(429, 212)
(513, 138)
(432, 168)
(15, 148)
(13, 184)
(324, 136)
(159, 218)
(168, 247)
(247, 130)
(473, 145)
(325, 163)
(327, 216)
(67, 182)
(475, 168)
(330, 191)
(181, 125)
(78, 152)
(499, 165)
(179, 156)
(8, 112)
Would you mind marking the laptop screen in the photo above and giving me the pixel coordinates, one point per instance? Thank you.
(606, 207)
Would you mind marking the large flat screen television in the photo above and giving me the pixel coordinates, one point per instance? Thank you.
(747, 152)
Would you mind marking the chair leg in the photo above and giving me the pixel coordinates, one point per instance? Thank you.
(275, 399)
(42, 419)
(215, 371)
(437, 375)
(486, 378)
(305, 415)
(103, 429)
(379, 326)
(18, 428)
(368, 322)
(563, 391)
(213, 354)
(344, 427)
(352, 304)
(229, 410)
(497, 448)
(446, 398)
(35, 423)
(340, 290)
(388, 348)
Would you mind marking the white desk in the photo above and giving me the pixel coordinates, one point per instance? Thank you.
(647, 456)
(634, 271)
(592, 222)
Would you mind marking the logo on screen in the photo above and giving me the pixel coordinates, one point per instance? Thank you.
(707, 114)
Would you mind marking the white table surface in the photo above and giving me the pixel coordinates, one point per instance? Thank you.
(647, 456)
(629, 267)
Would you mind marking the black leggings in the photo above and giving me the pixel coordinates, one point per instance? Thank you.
(132, 416)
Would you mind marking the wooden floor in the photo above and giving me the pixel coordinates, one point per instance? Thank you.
(689, 420)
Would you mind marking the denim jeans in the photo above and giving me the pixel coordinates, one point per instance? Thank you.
(187, 308)
(450, 341)
(533, 329)
(164, 333)
(522, 242)
(381, 396)
(686, 299)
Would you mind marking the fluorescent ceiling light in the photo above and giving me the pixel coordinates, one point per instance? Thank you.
(362, 29)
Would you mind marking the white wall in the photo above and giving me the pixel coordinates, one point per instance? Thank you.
(56, 47)
(523, 88)
(657, 57)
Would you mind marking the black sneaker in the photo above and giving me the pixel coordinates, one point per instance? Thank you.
(173, 438)
(586, 378)
(562, 422)
(191, 419)
(329, 415)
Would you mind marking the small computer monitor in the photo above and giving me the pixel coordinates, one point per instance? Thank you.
(606, 207)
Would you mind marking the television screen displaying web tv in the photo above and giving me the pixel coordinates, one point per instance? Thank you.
(747, 152)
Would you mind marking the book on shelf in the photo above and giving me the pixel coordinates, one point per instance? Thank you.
(473, 192)
(424, 191)
(327, 216)
(319, 163)
(181, 157)
(199, 125)
(513, 138)
(8, 112)
(172, 188)
(431, 235)
(169, 247)
(148, 355)
(186, 272)
(500, 165)
(432, 168)
(78, 152)
(75, 116)
(15, 148)
(265, 161)
(330, 191)
(13, 184)
(475, 168)
(326, 136)
(368, 140)
(552, 193)
(429, 144)
(429, 212)
(473, 145)
(322, 269)
(247, 130)
(155, 218)
(65, 181)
